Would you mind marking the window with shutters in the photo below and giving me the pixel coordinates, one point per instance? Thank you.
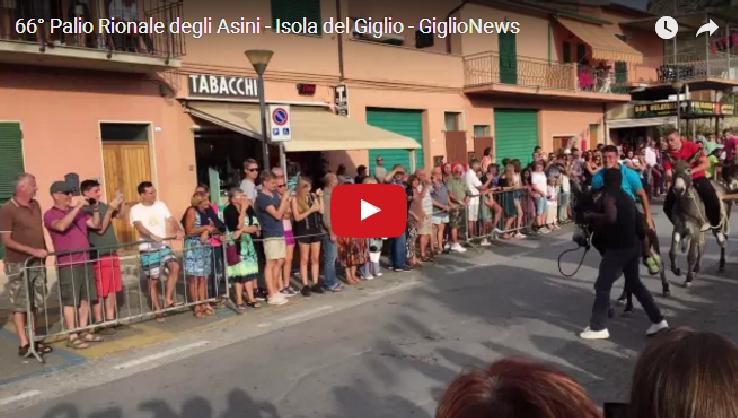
(11, 161)
(296, 10)
(481, 130)
(451, 121)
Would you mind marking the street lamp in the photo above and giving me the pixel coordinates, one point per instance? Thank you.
(259, 59)
(678, 86)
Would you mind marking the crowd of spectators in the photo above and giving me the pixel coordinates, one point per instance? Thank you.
(269, 217)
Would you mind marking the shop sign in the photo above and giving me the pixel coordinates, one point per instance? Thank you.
(701, 108)
(341, 100)
(222, 86)
(691, 108)
(280, 128)
(659, 109)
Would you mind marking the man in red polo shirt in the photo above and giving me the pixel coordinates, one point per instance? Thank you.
(683, 150)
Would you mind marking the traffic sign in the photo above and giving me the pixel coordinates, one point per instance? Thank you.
(280, 123)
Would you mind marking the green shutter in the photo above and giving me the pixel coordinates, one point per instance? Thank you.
(11, 161)
(508, 58)
(408, 123)
(621, 72)
(516, 134)
(295, 10)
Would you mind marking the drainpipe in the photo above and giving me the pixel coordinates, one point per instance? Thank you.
(339, 17)
(448, 16)
(605, 129)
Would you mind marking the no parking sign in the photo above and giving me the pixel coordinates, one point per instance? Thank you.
(281, 130)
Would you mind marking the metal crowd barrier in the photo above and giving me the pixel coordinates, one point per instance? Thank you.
(132, 296)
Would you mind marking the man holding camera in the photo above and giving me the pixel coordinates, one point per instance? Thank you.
(108, 277)
(68, 227)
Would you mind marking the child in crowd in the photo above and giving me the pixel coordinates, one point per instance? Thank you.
(371, 268)
(552, 206)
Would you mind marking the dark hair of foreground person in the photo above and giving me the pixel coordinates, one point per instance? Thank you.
(512, 388)
(686, 374)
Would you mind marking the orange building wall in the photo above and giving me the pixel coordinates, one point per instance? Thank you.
(60, 115)
(531, 41)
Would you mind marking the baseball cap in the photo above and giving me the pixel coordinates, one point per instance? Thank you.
(61, 187)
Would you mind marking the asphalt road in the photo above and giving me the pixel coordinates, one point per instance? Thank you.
(390, 354)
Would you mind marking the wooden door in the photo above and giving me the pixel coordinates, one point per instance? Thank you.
(456, 147)
(483, 142)
(126, 165)
(594, 136)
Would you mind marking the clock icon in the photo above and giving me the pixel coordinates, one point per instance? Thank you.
(666, 27)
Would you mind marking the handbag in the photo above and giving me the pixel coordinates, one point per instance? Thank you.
(232, 255)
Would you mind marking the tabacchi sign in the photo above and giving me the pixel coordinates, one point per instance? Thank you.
(223, 86)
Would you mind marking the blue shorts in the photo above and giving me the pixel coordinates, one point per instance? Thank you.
(540, 205)
(440, 219)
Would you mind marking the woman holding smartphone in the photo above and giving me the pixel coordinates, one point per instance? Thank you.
(307, 210)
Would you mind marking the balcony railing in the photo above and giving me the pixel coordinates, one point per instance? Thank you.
(484, 68)
(685, 68)
(160, 45)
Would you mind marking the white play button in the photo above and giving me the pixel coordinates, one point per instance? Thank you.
(367, 209)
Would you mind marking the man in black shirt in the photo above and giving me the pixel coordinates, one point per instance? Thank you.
(619, 243)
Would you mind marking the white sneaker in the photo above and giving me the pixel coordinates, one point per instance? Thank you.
(456, 247)
(277, 300)
(368, 277)
(520, 235)
(656, 328)
(379, 274)
(485, 243)
(589, 334)
(544, 230)
(447, 247)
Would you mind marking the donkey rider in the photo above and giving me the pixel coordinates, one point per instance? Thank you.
(685, 150)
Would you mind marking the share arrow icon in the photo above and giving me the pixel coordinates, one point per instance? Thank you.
(708, 27)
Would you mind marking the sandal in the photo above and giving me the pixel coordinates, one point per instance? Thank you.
(241, 308)
(197, 311)
(208, 310)
(77, 344)
(91, 338)
(253, 304)
(42, 348)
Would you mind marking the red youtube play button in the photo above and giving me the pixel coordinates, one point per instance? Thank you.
(368, 211)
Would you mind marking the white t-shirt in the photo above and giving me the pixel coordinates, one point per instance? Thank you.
(565, 184)
(473, 182)
(248, 187)
(427, 200)
(650, 156)
(538, 180)
(154, 218)
(380, 173)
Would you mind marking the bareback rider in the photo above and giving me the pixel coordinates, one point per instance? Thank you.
(684, 150)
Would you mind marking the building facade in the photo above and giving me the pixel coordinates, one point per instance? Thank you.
(147, 108)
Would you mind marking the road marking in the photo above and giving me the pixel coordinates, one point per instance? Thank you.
(16, 398)
(157, 356)
(304, 314)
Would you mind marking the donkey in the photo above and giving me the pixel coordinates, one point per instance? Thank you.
(688, 216)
